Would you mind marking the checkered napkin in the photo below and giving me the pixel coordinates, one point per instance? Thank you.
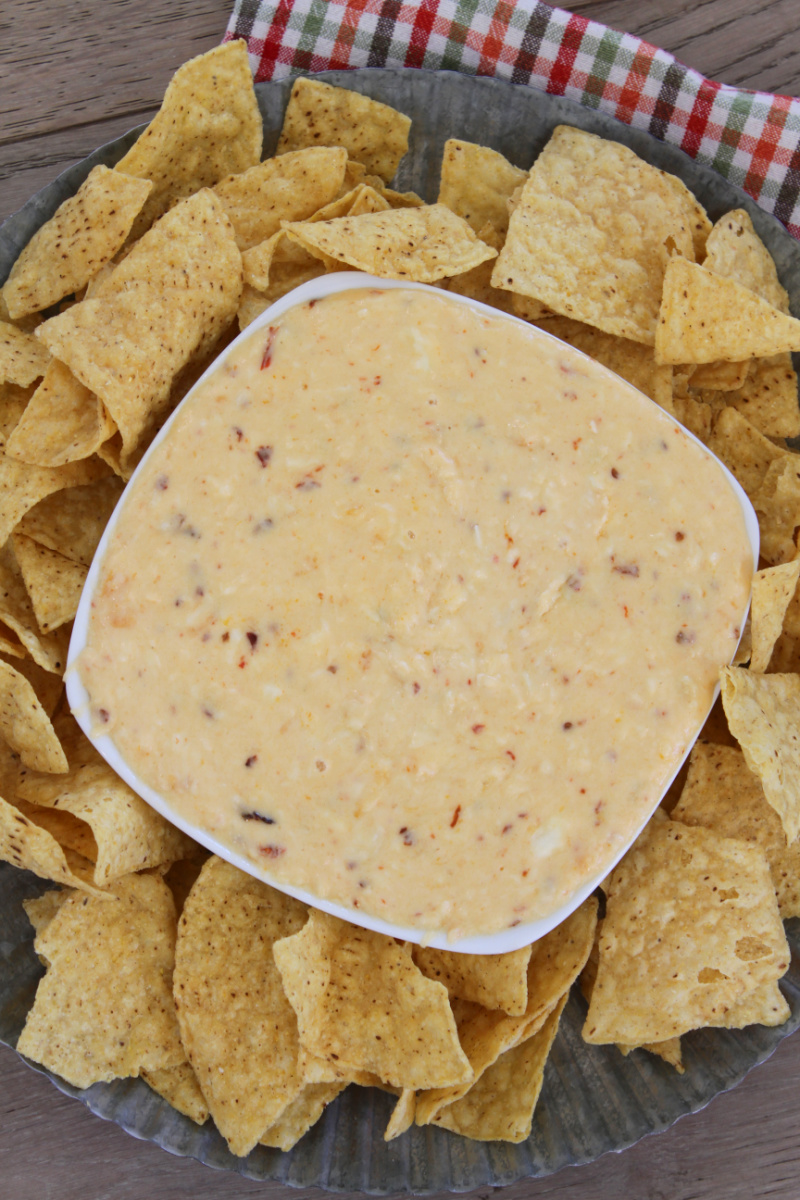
(752, 138)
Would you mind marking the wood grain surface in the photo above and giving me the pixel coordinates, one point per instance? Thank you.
(74, 74)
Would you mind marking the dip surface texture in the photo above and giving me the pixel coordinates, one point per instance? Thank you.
(417, 609)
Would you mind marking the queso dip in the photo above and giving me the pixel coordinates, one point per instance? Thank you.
(417, 609)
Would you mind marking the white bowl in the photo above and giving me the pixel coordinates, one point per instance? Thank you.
(496, 943)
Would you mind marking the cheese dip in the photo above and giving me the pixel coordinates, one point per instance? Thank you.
(417, 609)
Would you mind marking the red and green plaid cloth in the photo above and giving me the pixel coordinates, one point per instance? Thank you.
(752, 138)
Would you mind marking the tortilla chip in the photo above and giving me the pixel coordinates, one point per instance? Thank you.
(500, 1105)
(40, 910)
(48, 687)
(320, 115)
(83, 235)
(592, 233)
(777, 503)
(49, 650)
(417, 244)
(179, 1087)
(723, 794)
(168, 301)
(477, 183)
(72, 521)
(670, 1051)
(402, 1117)
(370, 201)
(706, 317)
(300, 1114)
(208, 127)
(632, 360)
(497, 981)
(735, 251)
(104, 1010)
(71, 833)
(238, 1028)
(768, 397)
(556, 961)
(363, 1005)
(31, 847)
(765, 1005)
(763, 712)
(26, 726)
(289, 188)
(53, 582)
(64, 422)
(130, 835)
(719, 376)
(773, 588)
(691, 926)
(745, 451)
(22, 358)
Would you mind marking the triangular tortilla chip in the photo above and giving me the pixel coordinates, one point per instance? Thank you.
(64, 422)
(773, 588)
(477, 183)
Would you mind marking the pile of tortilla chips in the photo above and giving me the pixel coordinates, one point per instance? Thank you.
(226, 996)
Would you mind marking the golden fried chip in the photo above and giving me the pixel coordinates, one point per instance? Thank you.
(556, 961)
(763, 712)
(130, 835)
(418, 244)
(301, 1113)
(735, 251)
(691, 926)
(773, 588)
(31, 847)
(320, 115)
(632, 360)
(719, 376)
(368, 201)
(72, 521)
(706, 317)
(71, 833)
(22, 358)
(497, 981)
(765, 1005)
(64, 422)
(49, 650)
(402, 1117)
(238, 1028)
(179, 1087)
(41, 909)
(83, 235)
(477, 183)
(53, 582)
(104, 1010)
(670, 1051)
(363, 1005)
(291, 187)
(723, 794)
(745, 451)
(499, 1106)
(26, 726)
(592, 233)
(47, 686)
(777, 503)
(768, 397)
(208, 127)
(167, 301)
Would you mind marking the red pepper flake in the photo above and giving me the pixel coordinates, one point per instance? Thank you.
(272, 851)
(685, 637)
(478, 728)
(614, 473)
(239, 433)
(332, 668)
(162, 483)
(208, 713)
(251, 761)
(679, 536)
(567, 725)
(507, 828)
(104, 715)
(226, 637)
(307, 483)
(515, 564)
(415, 686)
(257, 816)
(242, 662)
(456, 815)
(511, 755)
(252, 639)
(267, 356)
(407, 836)
(631, 569)
(264, 454)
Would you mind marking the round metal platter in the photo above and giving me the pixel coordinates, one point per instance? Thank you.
(593, 1099)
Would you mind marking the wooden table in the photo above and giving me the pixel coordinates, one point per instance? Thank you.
(74, 75)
